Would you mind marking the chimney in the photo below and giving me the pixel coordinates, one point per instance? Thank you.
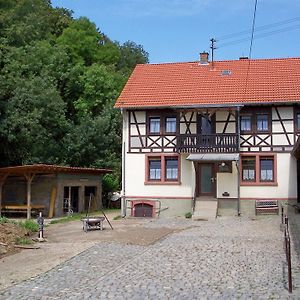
(204, 58)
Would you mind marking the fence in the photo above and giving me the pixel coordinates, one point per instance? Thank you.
(287, 247)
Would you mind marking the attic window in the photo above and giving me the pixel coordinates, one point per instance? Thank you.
(225, 72)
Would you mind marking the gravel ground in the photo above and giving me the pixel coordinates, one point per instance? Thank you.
(230, 258)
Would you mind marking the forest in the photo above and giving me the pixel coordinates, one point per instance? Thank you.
(59, 79)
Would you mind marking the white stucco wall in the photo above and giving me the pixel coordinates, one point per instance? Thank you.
(135, 179)
(286, 179)
(228, 182)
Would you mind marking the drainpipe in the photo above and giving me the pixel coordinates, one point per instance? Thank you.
(123, 196)
(238, 162)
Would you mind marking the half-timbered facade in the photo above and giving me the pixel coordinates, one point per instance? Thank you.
(200, 131)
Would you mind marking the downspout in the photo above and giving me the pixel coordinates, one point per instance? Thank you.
(238, 162)
(123, 196)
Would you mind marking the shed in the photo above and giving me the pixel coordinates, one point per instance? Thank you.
(51, 188)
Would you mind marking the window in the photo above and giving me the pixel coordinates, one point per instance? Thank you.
(162, 169)
(298, 121)
(266, 169)
(255, 120)
(245, 123)
(154, 169)
(154, 125)
(171, 168)
(170, 124)
(258, 169)
(262, 122)
(163, 122)
(248, 168)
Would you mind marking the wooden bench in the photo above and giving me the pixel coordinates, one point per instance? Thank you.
(266, 207)
(21, 207)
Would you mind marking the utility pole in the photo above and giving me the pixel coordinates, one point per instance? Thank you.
(212, 47)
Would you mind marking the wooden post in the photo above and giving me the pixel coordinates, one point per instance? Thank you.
(29, 178)
(2, 180)
(1, 186)
(69, 201)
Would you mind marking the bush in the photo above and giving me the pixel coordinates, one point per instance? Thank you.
(188, 215)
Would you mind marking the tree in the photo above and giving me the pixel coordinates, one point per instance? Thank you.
(34, 123)
(86, 44)
(131, 55)
(24, 21)
(100, 87)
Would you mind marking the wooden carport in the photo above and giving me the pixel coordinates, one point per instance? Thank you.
(30, 171)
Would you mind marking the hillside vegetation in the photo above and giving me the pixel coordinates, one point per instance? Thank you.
(59, 79)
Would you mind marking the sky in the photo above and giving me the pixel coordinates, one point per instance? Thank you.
(178, 30)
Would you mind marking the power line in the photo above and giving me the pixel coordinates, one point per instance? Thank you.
(258, 36)
(259, 28)
(251, 44)
(253, 27)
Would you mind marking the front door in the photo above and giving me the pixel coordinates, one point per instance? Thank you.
(206, 180)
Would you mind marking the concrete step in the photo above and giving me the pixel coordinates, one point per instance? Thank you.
(205, 210)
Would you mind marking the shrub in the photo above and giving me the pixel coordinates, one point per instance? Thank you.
(188, 215)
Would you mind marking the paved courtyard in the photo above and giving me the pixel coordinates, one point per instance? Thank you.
(229, 258)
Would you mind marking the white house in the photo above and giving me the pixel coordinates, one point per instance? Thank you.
(219, 131)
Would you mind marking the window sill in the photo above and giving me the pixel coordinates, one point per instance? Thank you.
(162, 182)
(243, 183)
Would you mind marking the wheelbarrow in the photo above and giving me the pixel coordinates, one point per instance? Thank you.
(90, 223)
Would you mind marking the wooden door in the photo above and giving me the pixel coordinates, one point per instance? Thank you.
(206, 180)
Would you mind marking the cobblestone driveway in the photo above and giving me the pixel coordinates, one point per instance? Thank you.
(226, 259)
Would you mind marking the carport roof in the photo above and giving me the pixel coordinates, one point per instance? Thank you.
(51, 169)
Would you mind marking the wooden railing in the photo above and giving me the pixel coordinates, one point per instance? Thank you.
(193, 143)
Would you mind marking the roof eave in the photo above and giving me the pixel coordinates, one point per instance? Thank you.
(223, 105)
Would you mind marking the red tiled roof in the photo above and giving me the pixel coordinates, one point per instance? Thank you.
(51, 169)
(189, 84)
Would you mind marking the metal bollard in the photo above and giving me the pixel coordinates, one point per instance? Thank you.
(40, 221)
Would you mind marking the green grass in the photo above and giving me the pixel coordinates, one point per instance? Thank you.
(74, 217)
(79, 216)
(23, 241)
(29, 225)
(117, 217)
(3, 220)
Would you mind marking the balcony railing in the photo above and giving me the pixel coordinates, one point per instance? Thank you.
(193, 143)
